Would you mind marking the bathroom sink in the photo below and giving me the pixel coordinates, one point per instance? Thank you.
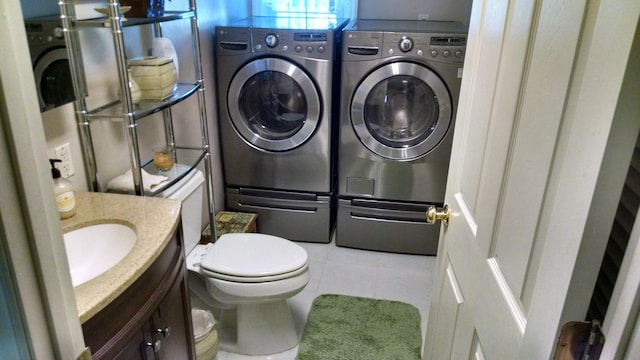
(94, 249)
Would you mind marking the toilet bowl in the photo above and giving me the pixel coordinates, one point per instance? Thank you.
(250, 277)
(243, 279)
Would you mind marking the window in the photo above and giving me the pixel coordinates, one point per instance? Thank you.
(341, 9)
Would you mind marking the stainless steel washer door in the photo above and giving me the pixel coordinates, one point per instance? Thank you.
(401, 111)
(273, 104)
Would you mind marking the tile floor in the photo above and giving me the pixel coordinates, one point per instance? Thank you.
(339, 270)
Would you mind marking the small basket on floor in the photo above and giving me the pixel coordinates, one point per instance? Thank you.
(205, 334)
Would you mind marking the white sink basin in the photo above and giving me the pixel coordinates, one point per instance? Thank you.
(94, 249)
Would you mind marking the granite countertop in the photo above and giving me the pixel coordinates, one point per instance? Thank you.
(153, 219)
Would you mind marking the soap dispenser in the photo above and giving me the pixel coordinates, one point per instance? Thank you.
(62, 188)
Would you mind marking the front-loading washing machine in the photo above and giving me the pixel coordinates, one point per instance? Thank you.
(400, 88)
(276, 96)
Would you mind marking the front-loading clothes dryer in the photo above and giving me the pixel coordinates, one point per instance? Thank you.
(277, 118)
(400, 87)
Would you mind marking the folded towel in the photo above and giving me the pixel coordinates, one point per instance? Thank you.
(124, 182)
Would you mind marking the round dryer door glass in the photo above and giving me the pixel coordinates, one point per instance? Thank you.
(273, 105)
(53, 79)
(401, 111)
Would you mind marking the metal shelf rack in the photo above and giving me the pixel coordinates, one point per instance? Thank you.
(124, 109)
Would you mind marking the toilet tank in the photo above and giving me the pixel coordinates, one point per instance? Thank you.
(189, 191)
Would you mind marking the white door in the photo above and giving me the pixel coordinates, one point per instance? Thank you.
(536, 107)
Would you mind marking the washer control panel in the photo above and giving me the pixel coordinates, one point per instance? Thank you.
(313, 44)
(309, 43)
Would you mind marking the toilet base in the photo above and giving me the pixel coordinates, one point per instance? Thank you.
(257, 329)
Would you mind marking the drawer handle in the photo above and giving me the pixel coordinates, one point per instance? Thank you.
(164, 332)
(156, 345)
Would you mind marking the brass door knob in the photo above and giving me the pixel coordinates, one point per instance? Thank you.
(433, 215)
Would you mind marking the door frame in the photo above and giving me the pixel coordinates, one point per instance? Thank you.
(576, 179)
(621, 324)
(29, 216)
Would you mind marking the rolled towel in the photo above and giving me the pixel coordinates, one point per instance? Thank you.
(124, 182)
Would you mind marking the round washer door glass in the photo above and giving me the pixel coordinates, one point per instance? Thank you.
(401, 111)
(273, 104)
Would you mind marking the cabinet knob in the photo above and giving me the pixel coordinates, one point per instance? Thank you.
(165, 332)
(156, 345)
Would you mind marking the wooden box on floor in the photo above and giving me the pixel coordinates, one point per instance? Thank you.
(231, 222)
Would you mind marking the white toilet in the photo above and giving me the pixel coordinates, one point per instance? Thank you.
(244, 279)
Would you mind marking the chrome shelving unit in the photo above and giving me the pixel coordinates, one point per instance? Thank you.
(124, 109)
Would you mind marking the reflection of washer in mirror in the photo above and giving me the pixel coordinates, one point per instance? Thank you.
(50, 61)
(53, 79)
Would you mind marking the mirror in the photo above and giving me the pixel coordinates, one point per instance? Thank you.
(49, 56)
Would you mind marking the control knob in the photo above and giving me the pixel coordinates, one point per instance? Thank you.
(271, 40)
(406, 44)
(58, 32)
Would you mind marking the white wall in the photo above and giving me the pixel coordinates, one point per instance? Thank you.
(450, 10)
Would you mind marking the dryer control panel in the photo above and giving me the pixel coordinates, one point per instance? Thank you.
(434, 47)
(44, 34)
(447, 46)
(437, 47)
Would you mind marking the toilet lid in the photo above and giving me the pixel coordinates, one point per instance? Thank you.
(253, 255)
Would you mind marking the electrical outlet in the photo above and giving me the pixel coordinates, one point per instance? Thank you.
(423, 16)
(63, 152)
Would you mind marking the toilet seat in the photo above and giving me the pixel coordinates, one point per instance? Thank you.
(250, 257)
(248, 279)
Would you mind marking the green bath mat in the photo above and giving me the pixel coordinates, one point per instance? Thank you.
(349, 328)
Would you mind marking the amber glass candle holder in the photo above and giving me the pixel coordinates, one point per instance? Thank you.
(163, 158)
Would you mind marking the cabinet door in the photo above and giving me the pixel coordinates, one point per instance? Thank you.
(172, 323)
(134, 349)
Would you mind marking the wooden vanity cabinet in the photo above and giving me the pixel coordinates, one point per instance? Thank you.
(171, 326)
(151, 319)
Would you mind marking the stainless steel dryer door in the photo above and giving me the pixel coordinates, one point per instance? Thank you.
(53, 79)
(273, 104)
(401, 111)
